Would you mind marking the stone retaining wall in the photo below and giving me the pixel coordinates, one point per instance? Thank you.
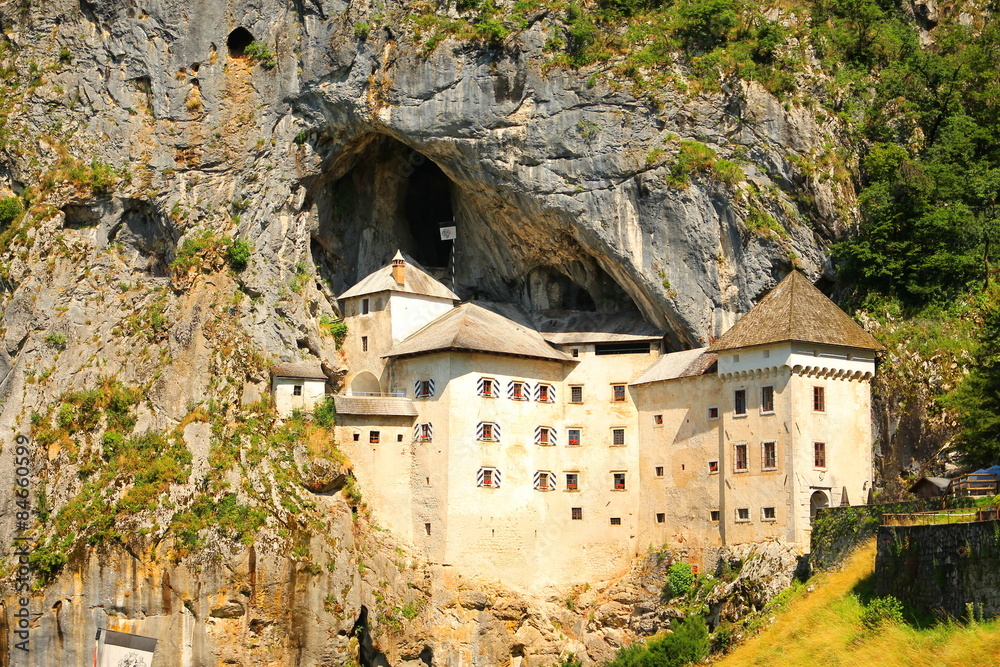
(941, 568)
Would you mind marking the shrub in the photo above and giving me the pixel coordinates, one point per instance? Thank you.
(727, 172)
(680, 578)
(259, 52)
(238, 254)
(881, 611)
(361, 31)
(56, 340)
(325, 412)
(693, 157)
(687, 643)
(336, 329)
(10, 209)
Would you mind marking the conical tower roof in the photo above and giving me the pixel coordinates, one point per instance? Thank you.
(795, 311)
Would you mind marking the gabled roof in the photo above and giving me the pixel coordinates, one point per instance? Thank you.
(941, 483)
(472, 328)
(417, 281)
(795, 311)
(299, 369)
(688, 363)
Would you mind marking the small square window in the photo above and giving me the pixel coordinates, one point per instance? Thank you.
(545, 393)
(767, 399)
(373, 437)
(399, 437)
(659, 471)
(576, 513)
(661, 517)
(819, 454)
(573, 437)
(714, 514)
(657, 420)
(543, 436)
(365, 306)
(713, 467)
(740, 458)
(357, 437)
(487, 387)
(713, 413)
(576, 352)
(489, 477)
(767, 514)
(517, 391)
(617, 437)
(572, 481)
(767, 354)
(769, 458)
(296, 390)
(742, 514)
(364, 343)
(543, 481)
(740, 401)
(819, 399)
(487, 431)
(619, 480)
(618, 393)
(576, 394)
(616, 521)
(736, 358)
(423, 389)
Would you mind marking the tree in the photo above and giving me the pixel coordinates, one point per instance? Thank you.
(977, 398)
(686, 643)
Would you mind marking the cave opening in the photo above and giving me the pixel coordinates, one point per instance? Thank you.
(427, 208)
(238, 41)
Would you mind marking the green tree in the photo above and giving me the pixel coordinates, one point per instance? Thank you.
(977, 398)
(687, 643)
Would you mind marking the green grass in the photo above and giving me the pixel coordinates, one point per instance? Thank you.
(822, 625)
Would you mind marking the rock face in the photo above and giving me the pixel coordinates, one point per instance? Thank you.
(145, 136)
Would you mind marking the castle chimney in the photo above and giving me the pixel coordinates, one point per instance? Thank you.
(398, 268)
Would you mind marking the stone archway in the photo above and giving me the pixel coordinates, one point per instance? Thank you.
(365, 383)
(817, 500)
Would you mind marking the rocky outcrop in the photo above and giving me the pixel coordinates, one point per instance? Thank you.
(146, 137)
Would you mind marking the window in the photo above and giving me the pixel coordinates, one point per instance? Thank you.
(617, 437)
(488, 477)
(573, 437)
(423, 388)
(487, 387)
(545, 481)
(819, 399)
(740, 401)
(576, 394)
(545, 393)
(742, 514)
(423, 432)
(357, 437)
(365, 306)
(767, 514)
(576, 352)
(657, 420)
(296, 390)
(616, 521)
(373, 437)
(621, 348)
(819, 454)
(576, 513)
(618, 395)
(713, 413)
(767, 354)
(619, 478)
(736, 358)
(659, 471)
(515, 391)
(364, 343)
(399, 437)
(572, 481)
(740, 459)
(713, 467)
(487, 431)
(661, 517)
(545, 436)
(769, 456)
(427, 528)
(714, 514)
(767, 399)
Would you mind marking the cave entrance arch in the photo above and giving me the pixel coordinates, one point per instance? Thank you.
(238, 41)
(427, 207)
(365, 383)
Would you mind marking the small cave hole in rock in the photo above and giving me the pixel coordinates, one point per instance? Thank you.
(238, 41)
(368, 655)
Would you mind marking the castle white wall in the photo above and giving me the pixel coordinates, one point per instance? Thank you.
(411, 313)
(285, 400)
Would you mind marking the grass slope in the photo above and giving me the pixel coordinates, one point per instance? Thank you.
(822, 627)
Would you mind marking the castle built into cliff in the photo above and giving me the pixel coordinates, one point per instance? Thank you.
(550, 449)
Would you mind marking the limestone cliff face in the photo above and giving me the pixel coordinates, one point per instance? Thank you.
(143, 134)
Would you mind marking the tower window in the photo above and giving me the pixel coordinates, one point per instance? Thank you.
(616, 521)
(740, 458)
(819, 454)
(618, 393)
(819, 399)
(619, 481)
(573, 437)
(767, 399)
(576, 394)
(576, 513)
(364, 343)
(572, 481)
(769, 458)
(740, 401)
(617, 437)
(365, 306)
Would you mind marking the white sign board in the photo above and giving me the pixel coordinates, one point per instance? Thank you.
(449, 233)
(120, 649)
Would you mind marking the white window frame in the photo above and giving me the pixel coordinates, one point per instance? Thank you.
(708, 413)
(624, 386)
(525, 390)
(742, 520)
(569, 440)
(764, 517)
(746, 407)
(762, 410)
(423, 388)
(423, 432)
(736, 457)
(576, 487)
(494, 432)
(481, 387)
(544, 480)
(494, 476)
(550, 432)
(763, 455)
(624, 442)
(551, 390)
(614, 480)
(658, 420)
(571, 389)
(711, 466)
